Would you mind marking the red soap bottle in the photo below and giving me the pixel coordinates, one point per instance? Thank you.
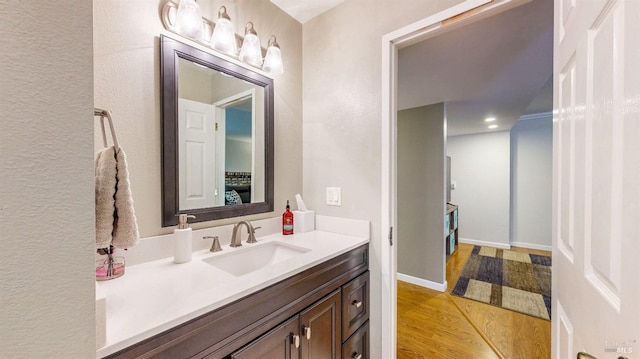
(287, 221)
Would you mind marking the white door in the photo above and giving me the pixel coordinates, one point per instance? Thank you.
(197, 151)
(596, 219)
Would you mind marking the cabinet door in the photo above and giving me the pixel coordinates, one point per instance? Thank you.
(320, 329)
(281, 342)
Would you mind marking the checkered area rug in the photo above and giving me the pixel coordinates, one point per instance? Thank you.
(511, 280)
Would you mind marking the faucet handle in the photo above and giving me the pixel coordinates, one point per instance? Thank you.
(215, 246)
(252, 235)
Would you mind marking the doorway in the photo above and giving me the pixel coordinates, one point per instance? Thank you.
(457, 16)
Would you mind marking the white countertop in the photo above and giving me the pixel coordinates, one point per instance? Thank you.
(155, 296)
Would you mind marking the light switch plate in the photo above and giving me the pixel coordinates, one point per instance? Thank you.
(334, 196)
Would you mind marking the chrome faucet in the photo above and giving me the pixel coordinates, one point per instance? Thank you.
(236, 238)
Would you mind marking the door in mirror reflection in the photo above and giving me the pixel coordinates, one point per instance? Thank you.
(197, 148)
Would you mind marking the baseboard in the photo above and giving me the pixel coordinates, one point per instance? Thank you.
(484, 243)
(531, 246)
(440, 287)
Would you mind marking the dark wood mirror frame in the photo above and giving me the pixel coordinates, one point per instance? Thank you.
(170, 51)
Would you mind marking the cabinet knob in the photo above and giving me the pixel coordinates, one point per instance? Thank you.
(306, 331)
(295, 339)
(355, 355)
(357, 303)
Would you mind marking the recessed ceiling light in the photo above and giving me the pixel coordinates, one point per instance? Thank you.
(489, 119)
(493, 126)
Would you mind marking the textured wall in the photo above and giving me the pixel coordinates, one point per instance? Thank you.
(480, 166)
(421, 196)
(47, 220)
(531, 181)
(342, 114)
(127, 82)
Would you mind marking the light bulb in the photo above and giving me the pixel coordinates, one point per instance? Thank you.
(273, 59)
(223, 38)
(189, 19)
(251, 53)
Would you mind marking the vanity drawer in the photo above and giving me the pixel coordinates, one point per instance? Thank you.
(355, 304)
(357, 347)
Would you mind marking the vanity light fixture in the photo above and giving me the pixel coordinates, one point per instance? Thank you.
(493, 126)
(489, 119)
(251, 53)
(184, 17)
(224, 36)
(189, 19)
(273, 59)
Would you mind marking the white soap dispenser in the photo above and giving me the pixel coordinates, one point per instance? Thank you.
(182, 242)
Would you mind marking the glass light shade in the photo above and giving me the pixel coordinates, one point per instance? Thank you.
(273, 59)
(189, 19)
(251, 53)
(223, 38)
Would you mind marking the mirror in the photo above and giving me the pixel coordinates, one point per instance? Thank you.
(217, 136)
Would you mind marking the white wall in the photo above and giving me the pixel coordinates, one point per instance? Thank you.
(47, 281)
(421, 197)
(127, 82)
(342, 111)
(529, 168)
(480, 167)
(531, 171)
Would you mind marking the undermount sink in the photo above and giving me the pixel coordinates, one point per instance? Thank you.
(251, 257)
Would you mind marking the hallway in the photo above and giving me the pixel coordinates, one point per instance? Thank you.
(432, 324)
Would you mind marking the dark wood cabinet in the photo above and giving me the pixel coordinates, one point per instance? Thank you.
(335, 327)
(357, 346)
(270, 322)
(283, 342)
(314, 333)
(355, 304)
(355, 318)
(320, 329)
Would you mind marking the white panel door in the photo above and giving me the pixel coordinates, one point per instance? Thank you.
(196, 159)
(596, 219)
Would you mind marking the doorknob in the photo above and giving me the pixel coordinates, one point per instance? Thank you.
(295, 339)
(582, 355)
(306, 331)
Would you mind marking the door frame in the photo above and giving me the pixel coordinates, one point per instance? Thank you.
(449, 19)
(221, 138)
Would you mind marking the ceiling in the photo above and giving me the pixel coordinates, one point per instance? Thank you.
(305, 10)
(498, 67)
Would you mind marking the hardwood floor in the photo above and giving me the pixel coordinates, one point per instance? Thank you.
(432, 324)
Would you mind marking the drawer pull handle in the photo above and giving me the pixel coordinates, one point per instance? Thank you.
(296, 340)
(355, 355)
(307, 332)
(357, 303)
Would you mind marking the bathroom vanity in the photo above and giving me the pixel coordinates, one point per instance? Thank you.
(314, 304)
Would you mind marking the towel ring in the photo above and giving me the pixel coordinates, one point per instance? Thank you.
(107, 114)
